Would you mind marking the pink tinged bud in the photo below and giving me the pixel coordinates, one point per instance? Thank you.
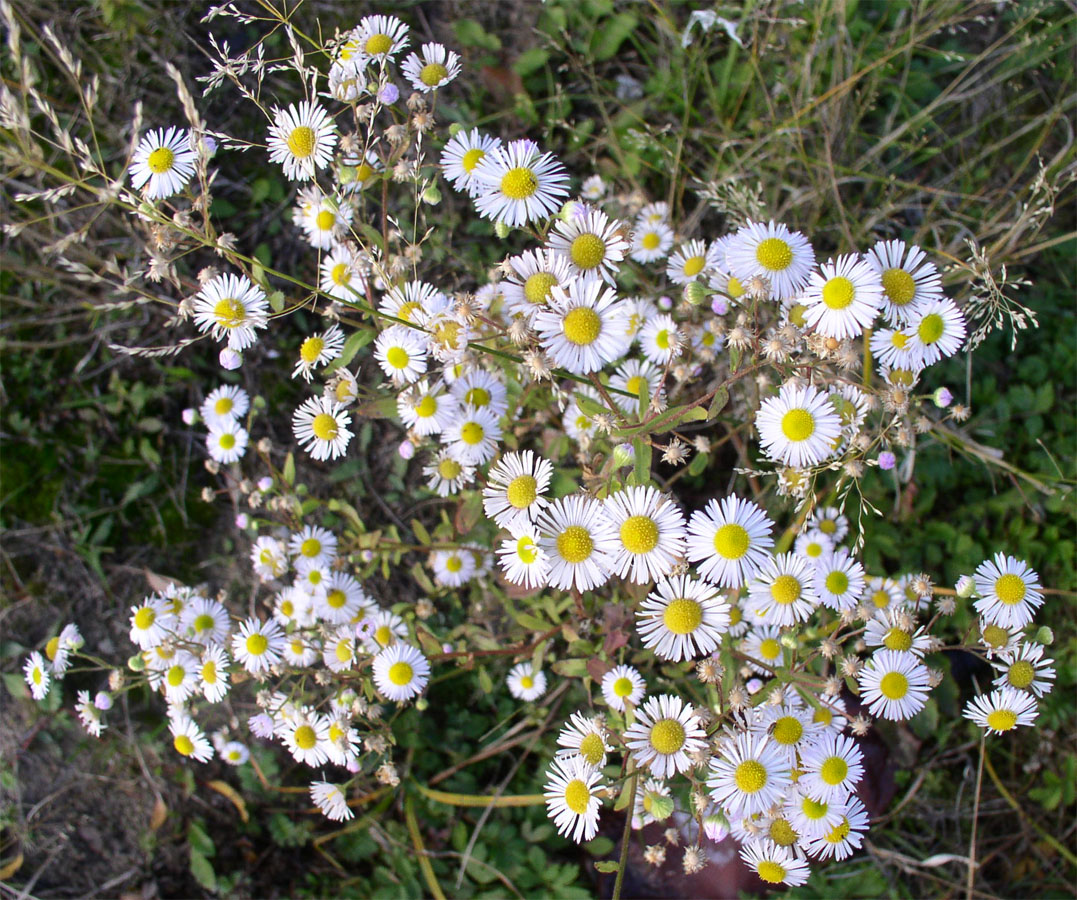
(719, 306)
(102, 701)
(887, 460)
(230, 359)
(406, 450)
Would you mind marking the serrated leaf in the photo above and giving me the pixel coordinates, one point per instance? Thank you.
(607, 865)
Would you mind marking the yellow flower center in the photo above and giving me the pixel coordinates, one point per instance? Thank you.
(622, 687)
(734, 288)
(223, 406)
(433, 74)
(363, 171)
(209, 672)
(828, 526)
(383, 635)
(731, 541)
(774, 254)
(574, 544)
(899, 339)
(814, 549)
(838, 292)
(798, 425)
(401, 673)
(305, 737)
(650, 240)
(693, 266)
(449, 469)
(796, 314)
(257, 644)
(770, 872)
(526, 550)
(311, 349)
(894, 685)
(591, 749)
(781, 832)
(582, 325)
(813, 809)
(335, 732)
(931, 328)
(834, 770)
(537, 287)
(310, 548)
(287, 608)
(454, 564)
(587, 250)
(683, 616)
(397, 357)
(325, 427)
(227, 441)
(1002, 719)
(1010, 589)
(183, 744)
(427, 407)
(160, 161)
(788, 730)
(735, 615)
(785, 590)
(996, 637)
(176, 675)
(527, 682)
(824, 715)
(325, 220)
(378, 44)
(144, 618)
(522, 491)
(1022, 673)
(478, 397)
(472, 433)
(336, 598)
(839, 833)
(635, 384)
(447, 334)
(577, 796)
(770, 649)
(301, 141)
(314, 577)
(750, 776)
(880, 599)
(519, 183)
(662, 339)
(667, 736)
(837, 582)
(341, 274)
(899, 286)
(896, 639)
(472, 158)
(639, 534)
(204, 622)
(344, 651)
(229, 312)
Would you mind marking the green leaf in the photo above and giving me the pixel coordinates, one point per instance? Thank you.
(698, 463)
(420, 532)
(721, 398)
(532, 623)
(591, 407)
(288, 473)
(607, 865)
(485, 682)
(200, 841)
(641, 474)
(600, 846)
(530, 61)
(609, 36)
(202, 870)
(371, 234)
(276, 301)
(661, 807)
(570, 668)
(471, 34)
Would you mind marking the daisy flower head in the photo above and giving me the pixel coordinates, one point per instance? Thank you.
(150, 623)
(897, 349)
(453, 568)
(324, 219)
(665, 732)
(578, 425)
(580, 542)
(831, 767)
(401, 672)
(225, 402)
(840, 841)
(782, 592)
(317, 350)
(472, 435)
(357, 171)
(583, 327)
(227, 441)
(257, 645)
(89, 715)
(302, 139)
(839, 580)
(791, 727)
(234, 753)
(36, 675)
(813, 545)
(380, 37)
(998, 640)
(773, 252)
(401, 353)
(180, 678)
(426, 409)
(650, 533)
(446, 474)
(482, 389)
(883, 594)
(342, 274)
(909, 279)
(729, 540)
(682, 619)
(305, 736)
(433, 67)
(231, 307)
(320, 425)
(937, 331)
(212, 670)
(693, 261)
(313, 546)
(640, 379)
(894, 685)
(517, 184)
(1009, 591)
(462, 155)
(843, 298)
(623, 685)
(660, 340)
(514, 490)
(188, 739)
(798, 427)
(572, 797)
(331, 800)
(383, 629)
(521, 558)
(593, 244)
(764, 645)
(656, 213)
(342, 599)
(1025, 669)
(774, 864)
(650, 241)
(584, 737)
(593, 188)
(163, 163)
(895, 629)
(750, 774)
(810, 816)
(525, 683)
(529, 286)
(1002, 710)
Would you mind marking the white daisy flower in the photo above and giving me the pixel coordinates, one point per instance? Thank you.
(305, 736)
(682, 619)
(839, 580)
(299, 651)
(691, 262)
(302, 139)
(639, 311)
(593, 188)
(1025, 669)
(324, 219)
(295, 606)
(320, 425)
(447, 475)
(89, 715)
(579, 540)
(623, 685)
(269, 558)
(213, 674)
(343, 387)
(782, 592)
(525, 683)
(660, 340)
(36, 675)
(763, 645)
(234, 753)
(401, 353)
(840, 841)
(729, 540)
(472, 436)
(1002, 710)
(230, 306)
(650, 533)
(426, 409)
(452, 568)
(897, 349)
(578, 425)
(357, 171)
(831, 767)
(342, 274)
(149, 622)
(728, 285)
(227, 441)
(843, 298)
(773, 252)
(895, 629)
(883, 593)
(313, 545)
(583, 328)
(517, 184)
(938, 331)
(188, 739)
(665, 732)
(343, 744)
(380, 37)
(514, 490)
(534, 275)
(584, 737)
(482, 389)
(572, 797)
(462, 155)
(414, 302)
(654, 213)
(635, 377)
(317, 350)
(810, 816)
(257, 645)
(593, 244)
(749, 775)
(894, 685)
(435, 68)
(813, 546)
(798, 427)
(180, 679)
(226, 402)
(649, 793)
(331, 800)
(385, 629)
(773, 864)
(342, 599)
(909, 279)
(163, 163)
(1009, 591)
(790, 728)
